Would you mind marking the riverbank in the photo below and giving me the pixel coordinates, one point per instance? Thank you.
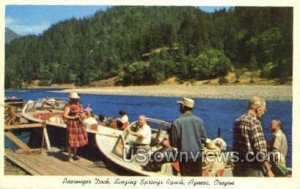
(270, 92)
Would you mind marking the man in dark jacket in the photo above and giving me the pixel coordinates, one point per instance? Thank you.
(187, 134)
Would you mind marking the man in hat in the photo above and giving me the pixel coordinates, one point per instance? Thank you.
(212, 159)
(249, 143)
(187, 134)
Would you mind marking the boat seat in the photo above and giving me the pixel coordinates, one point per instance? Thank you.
(56, 119)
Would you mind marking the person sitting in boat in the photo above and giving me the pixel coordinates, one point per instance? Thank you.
(102, 120)
(143, 134)
(89, 121)
(89, 108)
(48, 103)
(123, 120)
(162, 159)
(77, 135)
(220, 143)
(212, 161)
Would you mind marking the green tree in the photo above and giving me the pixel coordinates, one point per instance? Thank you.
(210, 63)
(179, 41)
(253, 66)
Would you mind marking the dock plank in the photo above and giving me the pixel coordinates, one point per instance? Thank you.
(84, 164)
(31, 162)
(18, 161)
(55, 163)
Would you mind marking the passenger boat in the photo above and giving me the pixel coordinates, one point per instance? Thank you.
(113, 143)
(116, 148)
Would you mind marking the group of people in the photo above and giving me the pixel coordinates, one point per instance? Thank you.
(188, 135)
(249, 144)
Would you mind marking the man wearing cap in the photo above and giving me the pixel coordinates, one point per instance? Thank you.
(187, 134)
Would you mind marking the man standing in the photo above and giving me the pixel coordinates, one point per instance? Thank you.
(187, 134)
(279, 141)
(249, 143)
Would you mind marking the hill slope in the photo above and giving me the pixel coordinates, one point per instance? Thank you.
(10, 35)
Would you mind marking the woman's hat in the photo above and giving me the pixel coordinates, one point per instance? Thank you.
(73, 95)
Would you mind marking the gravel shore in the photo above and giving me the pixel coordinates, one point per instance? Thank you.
(270, 92)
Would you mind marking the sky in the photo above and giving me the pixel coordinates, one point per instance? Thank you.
(212, 9)
(34, 19)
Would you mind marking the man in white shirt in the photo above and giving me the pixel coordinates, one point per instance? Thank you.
(123, 121)
(279, 141)
(143, 134)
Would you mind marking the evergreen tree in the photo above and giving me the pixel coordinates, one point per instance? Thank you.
(145, 45)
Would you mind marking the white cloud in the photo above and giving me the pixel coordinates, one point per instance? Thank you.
(9, 21)
(20, 29)
(32, 29)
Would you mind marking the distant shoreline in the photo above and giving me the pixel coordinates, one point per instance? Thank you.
(269, 92)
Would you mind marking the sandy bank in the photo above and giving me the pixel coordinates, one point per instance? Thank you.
(270, 92)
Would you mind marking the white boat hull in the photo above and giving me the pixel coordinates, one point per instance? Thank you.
(105, 137)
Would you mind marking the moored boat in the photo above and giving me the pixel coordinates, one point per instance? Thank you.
(113, 143)
(118, 148)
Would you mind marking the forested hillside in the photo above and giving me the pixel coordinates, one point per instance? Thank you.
(146, 45)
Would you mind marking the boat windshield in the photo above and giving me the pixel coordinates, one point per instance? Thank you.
(155, 124)
(47, 104)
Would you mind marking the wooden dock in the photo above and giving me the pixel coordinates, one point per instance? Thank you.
(49, 161)
(55, 162)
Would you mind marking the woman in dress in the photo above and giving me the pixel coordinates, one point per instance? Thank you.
(77, 135)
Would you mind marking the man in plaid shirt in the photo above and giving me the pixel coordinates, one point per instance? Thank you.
(249, 143)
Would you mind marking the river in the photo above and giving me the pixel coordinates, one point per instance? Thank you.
(216, 113)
